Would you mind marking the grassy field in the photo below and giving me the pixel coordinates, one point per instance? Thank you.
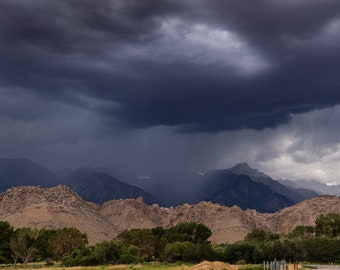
(149, 266)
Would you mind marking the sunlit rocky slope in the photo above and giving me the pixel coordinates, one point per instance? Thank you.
(59, 206)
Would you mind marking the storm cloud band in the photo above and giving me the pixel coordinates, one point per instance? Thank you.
(197, 66)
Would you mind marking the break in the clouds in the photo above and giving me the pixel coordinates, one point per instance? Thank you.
(192, 84)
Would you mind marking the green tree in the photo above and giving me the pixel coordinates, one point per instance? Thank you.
(189, 231)
(6, 232)
(302, 232)
(144, 239)
(65, 241)
(328, 225)
(42, 243)
(204, 251)
(77, 257)
(240, 251)
(129, 254)
(259, 235)
(323, 249)
(161, 240)
(105, 252)
(180, 251)
(23, 245)
(219, 251)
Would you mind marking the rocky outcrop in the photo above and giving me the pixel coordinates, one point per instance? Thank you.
(53, 208)
(60, 207)
(303, 213)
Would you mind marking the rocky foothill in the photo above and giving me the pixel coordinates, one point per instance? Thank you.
(59, 207)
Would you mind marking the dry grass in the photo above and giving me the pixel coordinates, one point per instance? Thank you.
(150, 266)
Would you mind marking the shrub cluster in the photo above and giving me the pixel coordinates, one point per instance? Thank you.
(185, 242)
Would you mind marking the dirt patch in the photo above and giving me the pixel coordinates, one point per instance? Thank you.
(206, 265)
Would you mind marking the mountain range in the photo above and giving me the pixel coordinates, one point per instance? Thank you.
(89, 183)
(58, 207)
(240, 185)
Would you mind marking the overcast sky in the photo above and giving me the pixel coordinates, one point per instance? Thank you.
(173, 84)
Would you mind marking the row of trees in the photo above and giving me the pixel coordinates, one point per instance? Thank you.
(185, 242)
(320, 243)
(26, 244)
(317, 249)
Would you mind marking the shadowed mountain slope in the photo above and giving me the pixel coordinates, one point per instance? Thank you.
(294, 194)
(231, 189)
(100, 187)
(16, 172)
(90, 184)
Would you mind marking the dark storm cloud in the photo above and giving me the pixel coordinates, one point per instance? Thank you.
(193, 65)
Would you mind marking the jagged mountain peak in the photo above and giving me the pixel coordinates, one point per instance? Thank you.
(244, 168)
(243, 165)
